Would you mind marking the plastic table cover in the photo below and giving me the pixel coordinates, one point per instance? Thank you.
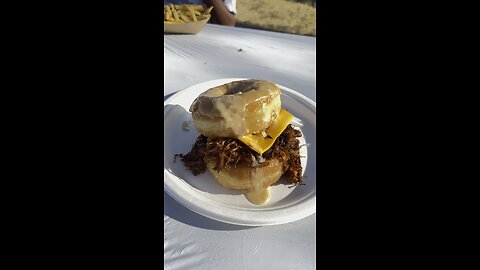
(192, 241)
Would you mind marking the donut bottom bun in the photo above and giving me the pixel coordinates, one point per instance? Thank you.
(246, 178)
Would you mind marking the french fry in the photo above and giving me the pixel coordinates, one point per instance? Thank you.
(196, 7)
(179, 7)
(185, 18)
(192, 13)
(175, 14)
(168, 14)
(185, 13)
(203, 17)
(208, 10)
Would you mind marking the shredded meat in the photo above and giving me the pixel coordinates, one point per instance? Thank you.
(194, 159)
(228, 152)
(287, 149)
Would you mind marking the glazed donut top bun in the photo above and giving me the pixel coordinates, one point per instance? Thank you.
(237, 108)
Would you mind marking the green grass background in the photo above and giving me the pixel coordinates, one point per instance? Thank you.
(288, 16)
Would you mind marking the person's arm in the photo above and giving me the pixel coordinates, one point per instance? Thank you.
(221, 13)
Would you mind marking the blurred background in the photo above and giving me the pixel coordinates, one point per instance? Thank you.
(287, 16)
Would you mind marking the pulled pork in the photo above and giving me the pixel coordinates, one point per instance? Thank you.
(228, 152)
(194, 159)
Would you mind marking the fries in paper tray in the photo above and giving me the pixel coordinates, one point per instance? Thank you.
(185, 19)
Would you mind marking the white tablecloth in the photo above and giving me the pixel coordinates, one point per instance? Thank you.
(192, 241)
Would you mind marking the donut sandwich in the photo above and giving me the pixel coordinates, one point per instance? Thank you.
(247, 142)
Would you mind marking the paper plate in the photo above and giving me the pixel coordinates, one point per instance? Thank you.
(205, 196)
(184, 28)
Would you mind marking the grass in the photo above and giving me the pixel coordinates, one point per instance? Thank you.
(287, 16)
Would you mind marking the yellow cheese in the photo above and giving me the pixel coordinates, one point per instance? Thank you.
(260, 144)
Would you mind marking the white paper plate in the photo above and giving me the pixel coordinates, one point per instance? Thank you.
(205, 196)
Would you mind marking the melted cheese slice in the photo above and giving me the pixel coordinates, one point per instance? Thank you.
(260, 144)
